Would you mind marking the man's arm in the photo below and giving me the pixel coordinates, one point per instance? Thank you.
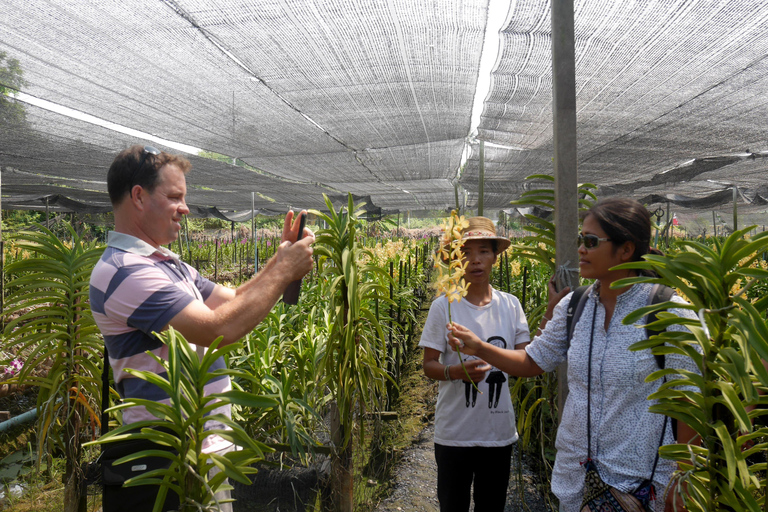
(234, 313)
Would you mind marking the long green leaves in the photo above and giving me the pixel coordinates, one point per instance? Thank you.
(52, 328)
(541, 246)
(728, 343)
(282, 354)
(353, 361)
(183, 426)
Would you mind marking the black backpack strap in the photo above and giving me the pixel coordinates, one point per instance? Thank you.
(575, 307)
(105, 393)
(659, 294)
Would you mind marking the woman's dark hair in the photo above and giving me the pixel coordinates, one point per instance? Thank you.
(625, 220)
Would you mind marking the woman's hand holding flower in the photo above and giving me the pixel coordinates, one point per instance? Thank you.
(461, 338)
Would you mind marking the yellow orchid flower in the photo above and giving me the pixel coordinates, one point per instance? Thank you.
(452, 295)
(456, 251)
(451, 267)
(457, 291)
(442, 253)
(462, 288)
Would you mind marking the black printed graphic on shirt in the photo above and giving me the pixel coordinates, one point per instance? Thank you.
(495, 380)
(496, 377)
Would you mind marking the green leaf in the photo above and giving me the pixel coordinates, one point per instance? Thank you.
(728, 450)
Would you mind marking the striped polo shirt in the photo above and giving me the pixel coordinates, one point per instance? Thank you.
(136, 290)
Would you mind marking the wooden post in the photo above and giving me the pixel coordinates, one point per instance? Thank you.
(390, 348)
(565, 157)
(232, 241)
(253, 232)
(341, 465)
(186, 230)
(2, 280)
(506, 264)
(525, 287)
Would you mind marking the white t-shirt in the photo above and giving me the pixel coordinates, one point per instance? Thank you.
(463, 417)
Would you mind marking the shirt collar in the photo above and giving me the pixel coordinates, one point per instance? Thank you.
(130, 243)
(628, 295)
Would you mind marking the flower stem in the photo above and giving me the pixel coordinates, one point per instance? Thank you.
(459, 353)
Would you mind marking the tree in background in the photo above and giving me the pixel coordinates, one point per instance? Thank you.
(11, 81)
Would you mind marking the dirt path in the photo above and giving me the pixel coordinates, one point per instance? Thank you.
(415, 482)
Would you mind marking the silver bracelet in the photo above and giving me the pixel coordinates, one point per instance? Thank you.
(447, 373)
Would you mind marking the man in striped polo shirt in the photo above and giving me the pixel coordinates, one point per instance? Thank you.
(138, 287)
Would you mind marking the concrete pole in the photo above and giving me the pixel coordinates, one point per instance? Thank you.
(481, 184)
(456, 196)
(564, 139)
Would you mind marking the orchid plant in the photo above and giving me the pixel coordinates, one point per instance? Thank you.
(451, 267)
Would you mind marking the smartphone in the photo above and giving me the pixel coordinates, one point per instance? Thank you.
(291, 293)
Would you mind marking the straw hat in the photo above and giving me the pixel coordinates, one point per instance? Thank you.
(482, 228)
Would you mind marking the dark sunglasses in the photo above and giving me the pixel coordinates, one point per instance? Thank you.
(145, 152)
(591, 241)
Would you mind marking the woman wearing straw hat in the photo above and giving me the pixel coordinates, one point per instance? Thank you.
(474, 435)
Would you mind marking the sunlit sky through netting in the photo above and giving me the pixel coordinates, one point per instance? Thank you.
(386, 99)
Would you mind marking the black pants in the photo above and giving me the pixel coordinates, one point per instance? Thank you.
(458, 467)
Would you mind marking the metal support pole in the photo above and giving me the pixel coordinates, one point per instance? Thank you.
(253, 230)
(566, 177)
(481, 184)
(735, 208)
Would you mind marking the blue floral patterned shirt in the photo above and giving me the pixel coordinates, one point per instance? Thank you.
(625, 435)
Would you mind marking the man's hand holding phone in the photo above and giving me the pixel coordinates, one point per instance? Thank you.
(293, 231)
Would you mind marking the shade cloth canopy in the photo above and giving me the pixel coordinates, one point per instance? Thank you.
(375, 97)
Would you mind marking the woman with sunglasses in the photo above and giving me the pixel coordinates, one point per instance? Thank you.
(619, 433)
